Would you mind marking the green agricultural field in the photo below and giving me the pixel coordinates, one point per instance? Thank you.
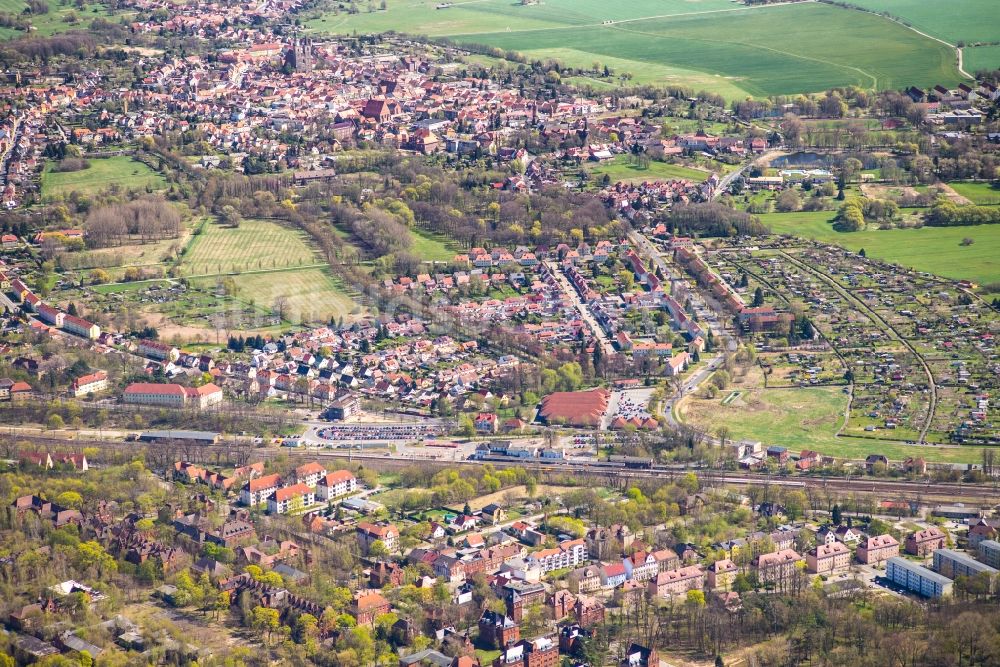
(123, 172)
(980, 58)
(805, 418)
(712, 44)
(952, 20)
(256, 245)
(933, 249)
(619, 169)
(982, 194)
(421, 16)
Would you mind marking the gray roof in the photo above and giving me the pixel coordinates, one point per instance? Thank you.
(965, 560)
(920, 570)
(178, 435)
(428, 654)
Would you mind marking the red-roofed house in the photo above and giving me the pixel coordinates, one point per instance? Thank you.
(259, 489)
(90, 384)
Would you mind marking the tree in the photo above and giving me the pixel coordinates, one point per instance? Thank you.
(695, 598)
(377, 549)
(788, 201)
(466, 426)
(99, 277)
(70, 499)
(264, 621)
(758, 297)
(54, 421)
(851, 168)
(835, 515)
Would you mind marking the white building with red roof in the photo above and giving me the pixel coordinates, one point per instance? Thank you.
(91, 383)
(335, 484)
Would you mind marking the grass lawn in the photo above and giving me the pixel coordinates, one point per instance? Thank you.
(487, 657)
(954, 21)
(708, 44)
(431, 247)
(122, 171)
(932, 249)
(619, 169)
(982, 194)
(805, 418)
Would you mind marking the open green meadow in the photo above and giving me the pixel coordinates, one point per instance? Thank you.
(711, 44)
(952, 20)
(61, 17)
(619, 169)
(936, 250)
(121, 171)
(981, 194)
(981, 57)
(804, 418)
(421, 17)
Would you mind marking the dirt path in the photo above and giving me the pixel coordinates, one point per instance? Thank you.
(950, 193)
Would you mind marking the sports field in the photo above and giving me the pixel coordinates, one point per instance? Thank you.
(122, 171)
(620, 169)
(950, 20)
(266, 261)
(934, 249)
(710, 44)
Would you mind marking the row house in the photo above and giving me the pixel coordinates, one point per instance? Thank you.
(289, 498)
(641, 566)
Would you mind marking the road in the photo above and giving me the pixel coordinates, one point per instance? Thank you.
(689, 386)
(602, 338)
(15, 137)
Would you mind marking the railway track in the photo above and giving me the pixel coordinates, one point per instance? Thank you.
(232, 452)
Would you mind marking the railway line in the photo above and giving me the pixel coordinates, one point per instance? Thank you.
(606, 471)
